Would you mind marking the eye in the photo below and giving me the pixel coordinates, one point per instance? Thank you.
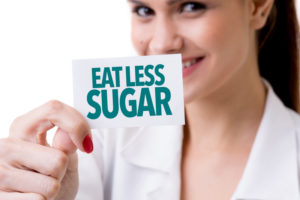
(143, 11)
(192, 7)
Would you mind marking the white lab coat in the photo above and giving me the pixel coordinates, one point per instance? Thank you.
(144, 163)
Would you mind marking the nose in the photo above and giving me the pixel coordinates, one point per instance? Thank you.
(165, 39)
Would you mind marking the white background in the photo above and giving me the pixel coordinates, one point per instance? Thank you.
(39, 39)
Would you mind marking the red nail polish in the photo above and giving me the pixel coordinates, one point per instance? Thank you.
(88, 144)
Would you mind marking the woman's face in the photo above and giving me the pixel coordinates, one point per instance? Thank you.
(213, 37)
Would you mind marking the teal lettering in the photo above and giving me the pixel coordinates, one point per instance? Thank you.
(145, 96)
(93, 104)
(139, 75)
(132, 103)
(95, 77)
(149, 75)
(107, 78)
(115, 106)
(128, 81)
(159, 74)
(162, 102)
(117, 75)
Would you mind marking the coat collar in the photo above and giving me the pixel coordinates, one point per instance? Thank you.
(271, 170)
(155, 147)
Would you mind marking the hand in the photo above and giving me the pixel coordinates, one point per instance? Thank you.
(30, 168)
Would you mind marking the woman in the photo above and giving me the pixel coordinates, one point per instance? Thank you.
(241, 140)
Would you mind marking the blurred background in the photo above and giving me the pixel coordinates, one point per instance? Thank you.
(39, 39)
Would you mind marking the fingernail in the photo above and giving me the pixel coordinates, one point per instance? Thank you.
(88, 144)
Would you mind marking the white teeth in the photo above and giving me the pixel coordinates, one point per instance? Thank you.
(189, 63)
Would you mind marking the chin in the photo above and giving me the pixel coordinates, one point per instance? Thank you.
(196, 91)
(189, 97)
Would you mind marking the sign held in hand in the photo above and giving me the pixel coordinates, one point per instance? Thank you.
(130, 92)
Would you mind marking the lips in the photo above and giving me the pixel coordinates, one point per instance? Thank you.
(190, 65)
(189, 62)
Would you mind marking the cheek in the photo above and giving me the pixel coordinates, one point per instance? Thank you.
(139, 37)
(225, 39)
(221, 38)
(231, 45)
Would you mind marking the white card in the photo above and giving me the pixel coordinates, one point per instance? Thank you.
(130, 92)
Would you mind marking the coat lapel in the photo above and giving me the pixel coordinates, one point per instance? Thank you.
(158, 149)
(271, 171)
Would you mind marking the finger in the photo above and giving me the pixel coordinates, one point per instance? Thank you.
(71, 179)
(24, 181)
(45, 160)
(20, 196)
(54, 113)
(63, 142)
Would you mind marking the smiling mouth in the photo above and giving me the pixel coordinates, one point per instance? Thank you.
(191, 62)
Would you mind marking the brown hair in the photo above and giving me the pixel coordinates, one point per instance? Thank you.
(278, 57)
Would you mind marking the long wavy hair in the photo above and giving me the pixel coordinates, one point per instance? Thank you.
(278, 52)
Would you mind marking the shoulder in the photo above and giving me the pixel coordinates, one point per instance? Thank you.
(296, 123)
(295, 119)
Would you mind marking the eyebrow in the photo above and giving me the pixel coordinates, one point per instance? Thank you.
(137, 2)
(170, 2)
